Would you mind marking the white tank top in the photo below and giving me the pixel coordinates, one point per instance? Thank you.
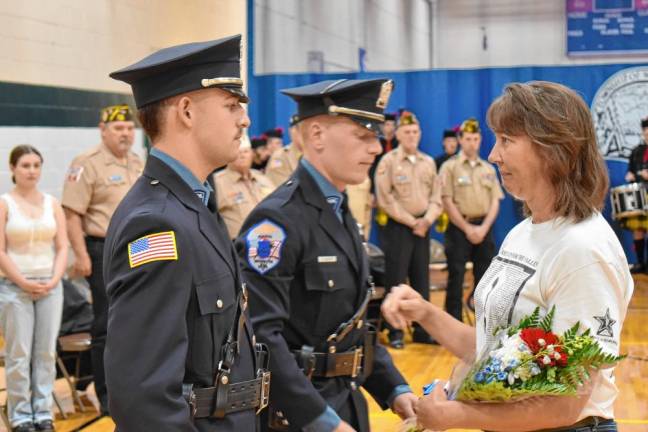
(30, 241)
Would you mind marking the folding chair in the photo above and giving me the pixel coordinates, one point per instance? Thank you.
(73, 345)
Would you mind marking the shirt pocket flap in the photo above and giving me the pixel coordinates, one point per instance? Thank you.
(216, 294)
(326, 276)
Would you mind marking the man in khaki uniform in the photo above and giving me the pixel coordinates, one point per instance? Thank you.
(407, 191)
(283, 161)
(239, 188)
(360, 204)
(96, 183)
(471, 195)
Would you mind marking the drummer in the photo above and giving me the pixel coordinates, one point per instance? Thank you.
(638, 172)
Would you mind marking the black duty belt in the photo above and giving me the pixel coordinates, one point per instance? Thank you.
(357, 361)
(329, 365)
(253, 394)
(226, 397)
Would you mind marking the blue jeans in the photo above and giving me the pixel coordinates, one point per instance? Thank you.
(30, 331)
(604, 426)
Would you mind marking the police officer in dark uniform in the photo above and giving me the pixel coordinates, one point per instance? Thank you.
(308, 272)
(180, 352)
(638, 172)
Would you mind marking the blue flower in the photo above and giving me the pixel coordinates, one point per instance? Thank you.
(502, 376)
(488, 369)
(490, 379)
(479, 377)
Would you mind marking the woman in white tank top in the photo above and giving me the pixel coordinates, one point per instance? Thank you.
(33, 255)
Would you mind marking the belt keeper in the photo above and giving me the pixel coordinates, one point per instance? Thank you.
(307, 360)
(222, 389)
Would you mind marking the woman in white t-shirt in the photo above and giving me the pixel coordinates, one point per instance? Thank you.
(33, 255)
(564, 254)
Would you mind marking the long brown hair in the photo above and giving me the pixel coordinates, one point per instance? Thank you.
(18, 152)
(559, 125)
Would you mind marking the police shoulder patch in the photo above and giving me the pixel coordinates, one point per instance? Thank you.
(74, 173)
(263, 243)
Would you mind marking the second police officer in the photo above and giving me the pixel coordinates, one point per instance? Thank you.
(180, 353)
(308, 272)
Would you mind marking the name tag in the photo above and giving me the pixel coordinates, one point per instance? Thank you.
(326, 259)
(464, 181)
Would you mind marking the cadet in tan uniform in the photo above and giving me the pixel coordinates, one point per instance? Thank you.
(360, 204)
(407, 190)
(471, 195)
(96, 183)
(239, 188)
(283, 161)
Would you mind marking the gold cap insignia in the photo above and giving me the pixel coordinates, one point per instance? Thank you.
(385, 93)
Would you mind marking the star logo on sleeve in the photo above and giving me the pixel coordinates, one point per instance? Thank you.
(605, 324)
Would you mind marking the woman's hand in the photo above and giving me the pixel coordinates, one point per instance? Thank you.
(35, 290)
(403, 305)
(432, 410)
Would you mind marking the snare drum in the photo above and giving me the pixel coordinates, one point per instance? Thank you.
(628, 200)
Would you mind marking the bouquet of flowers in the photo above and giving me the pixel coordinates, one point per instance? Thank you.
(528, 360)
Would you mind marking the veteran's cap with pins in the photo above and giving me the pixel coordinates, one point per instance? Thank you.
(363, 101)
(183, 68)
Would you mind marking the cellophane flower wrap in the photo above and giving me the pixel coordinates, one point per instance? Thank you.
(527, 360)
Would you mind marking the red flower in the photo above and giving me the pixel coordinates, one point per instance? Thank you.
(537, 339)
(562, 360)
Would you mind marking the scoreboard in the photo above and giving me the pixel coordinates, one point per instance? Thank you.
(600, 27)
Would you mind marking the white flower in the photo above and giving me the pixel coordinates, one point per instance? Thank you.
(546, 360)
(542, 342)
(556, 356)
(550, 348)
(511, 378)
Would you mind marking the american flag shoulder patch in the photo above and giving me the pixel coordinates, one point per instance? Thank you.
(153, 247)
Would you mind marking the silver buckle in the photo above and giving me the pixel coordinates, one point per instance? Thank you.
(192, 403)
(264, 398)
(357, 362)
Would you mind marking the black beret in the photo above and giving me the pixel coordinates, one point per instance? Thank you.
(449, 133)
(184, 68)
(274, 133)
(390, 116)
(644, 123)
(364, 101)
(257, 142)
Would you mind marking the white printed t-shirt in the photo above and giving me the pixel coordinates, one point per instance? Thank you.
(578, 267)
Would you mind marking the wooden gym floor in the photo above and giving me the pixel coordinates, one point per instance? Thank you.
(423, 363)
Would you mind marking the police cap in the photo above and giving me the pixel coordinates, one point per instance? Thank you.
(183, 68)
(364, 101)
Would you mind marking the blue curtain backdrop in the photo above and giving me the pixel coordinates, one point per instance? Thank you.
(441, 99)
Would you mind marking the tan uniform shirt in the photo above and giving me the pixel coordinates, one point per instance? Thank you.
(95, 185)
(360, 204)
(282, 164)
(472, 188)
(237, 196)
(407, 190)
